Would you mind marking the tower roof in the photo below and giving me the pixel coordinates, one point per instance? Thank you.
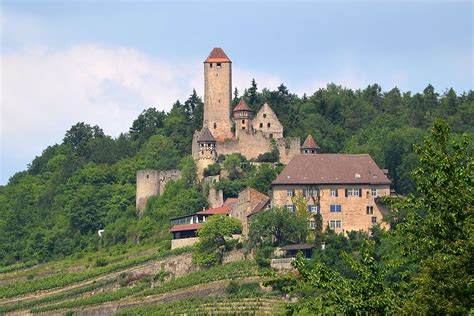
(242, 106)
(217, 55)
(309, 143)
(206, 136)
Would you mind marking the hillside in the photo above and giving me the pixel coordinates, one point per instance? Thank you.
(148, 280)
(87, 182)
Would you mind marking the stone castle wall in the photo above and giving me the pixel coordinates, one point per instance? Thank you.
(152, 183)
(288, 148)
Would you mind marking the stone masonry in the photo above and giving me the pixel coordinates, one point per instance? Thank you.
(152, 183)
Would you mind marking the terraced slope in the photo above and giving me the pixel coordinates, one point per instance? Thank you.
(162, 280)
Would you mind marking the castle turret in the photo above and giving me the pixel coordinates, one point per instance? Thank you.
(207, 150)
(242, 118)
(309, 146)
(218, 94)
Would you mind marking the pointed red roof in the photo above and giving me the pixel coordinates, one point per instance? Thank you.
(217, 56)
(309, 143)
(242, 106)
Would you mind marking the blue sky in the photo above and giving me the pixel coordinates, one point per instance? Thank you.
(104, 62)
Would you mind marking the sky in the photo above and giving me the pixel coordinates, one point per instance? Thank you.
(104, 62)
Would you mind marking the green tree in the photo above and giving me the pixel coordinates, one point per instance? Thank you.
(232, 165)
(188, 171)
(81, 133)
(148, 123)
(438, 228)
(276, 227)
(327, 291)
(215, 237)
(262, 178)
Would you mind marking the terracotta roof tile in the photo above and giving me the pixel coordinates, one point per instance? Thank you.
(332, 169)
(218, 210)
(242, 106)
(230, 201)
(217, 55)
(260, 206)
(180, 228)
(309, 143)
(206, 136)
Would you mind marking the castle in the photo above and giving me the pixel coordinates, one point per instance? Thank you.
(226, 130)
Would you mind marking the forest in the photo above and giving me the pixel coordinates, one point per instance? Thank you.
(86, 183)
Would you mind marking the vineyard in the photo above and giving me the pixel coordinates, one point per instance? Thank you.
(143, 283)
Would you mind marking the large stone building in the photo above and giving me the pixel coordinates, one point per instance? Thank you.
(344, 189)
(226, 130)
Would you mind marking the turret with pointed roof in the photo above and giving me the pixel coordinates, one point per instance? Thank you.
(309, 146)
(242, 118)
(217, 55)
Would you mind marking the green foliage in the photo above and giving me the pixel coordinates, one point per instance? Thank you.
(214, 239)
(438, 228)
(276, 227)
(328, 292)
(230, 188)
(262, 178)
(232, 165)
(212, 170)
(188, 171)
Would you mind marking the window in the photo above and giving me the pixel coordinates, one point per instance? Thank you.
(264, 115)
(243, 121)
(374, 192)
(268, 125)
(218, 65)
(261, 125)
(370, 210)
(210, 65)
(312, 224)
(310, 192)
(290, 193)
(215, 125)
(374, 220)
(335, 208)
(290, 208)
(335, 224)
(334, 192)
(271, 135)
(353, 192)
(313, 208)
(243, 127)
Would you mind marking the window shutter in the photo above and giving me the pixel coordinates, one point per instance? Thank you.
(346, 192)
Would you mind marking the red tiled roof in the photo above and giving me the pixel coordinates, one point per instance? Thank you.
(242, 106)
(180, 228)
(332, 169)
(309, 143)
(218, 210)
(217, 55)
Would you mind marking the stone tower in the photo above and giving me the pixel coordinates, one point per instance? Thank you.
(218, 94)
(242, 118)
(309, 146)
(207, 150)
(148, 185)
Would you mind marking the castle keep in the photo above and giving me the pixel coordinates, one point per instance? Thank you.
(238, 130)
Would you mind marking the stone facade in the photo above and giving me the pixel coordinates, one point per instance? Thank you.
(356, 212)
(152, 183)
(248, 199)
(267, 122)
